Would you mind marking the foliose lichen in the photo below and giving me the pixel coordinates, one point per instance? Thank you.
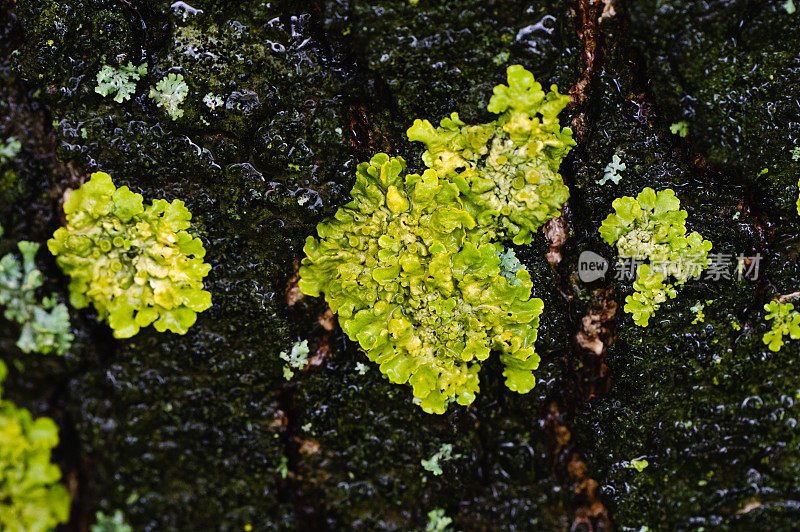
(44, 323)
(612, 171)
(136, 264)
(785, 322)
(31, 498)
(506, 170)
(509, 265)
(438, 521)
(652, 227)
(119, 81)
(679, 128)
(212, 101)
(111, 523)
(639, 464)
(411, 265)
(699, 315)
(169, 93)
(9, 149)
(433, 464)
(295, 359)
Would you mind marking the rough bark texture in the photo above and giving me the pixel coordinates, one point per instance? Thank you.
(197, 426)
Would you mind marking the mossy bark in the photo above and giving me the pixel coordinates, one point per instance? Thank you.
(197, 427)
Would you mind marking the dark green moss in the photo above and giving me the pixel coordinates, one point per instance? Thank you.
(432, 58)
(184, 429)
(729, 69)
(362, 441)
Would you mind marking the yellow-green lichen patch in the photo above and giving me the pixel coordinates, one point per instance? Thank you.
(31, 499)
(411, 265)
(136, 264)
(652, 227)
(785, 322)
(507, 169)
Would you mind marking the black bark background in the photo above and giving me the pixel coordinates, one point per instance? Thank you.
(188, 432)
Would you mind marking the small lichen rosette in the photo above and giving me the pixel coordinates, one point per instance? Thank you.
(31, 498)
(136, 264)
(507, 170)
(408, 271)
(785, 322)
(652, 227)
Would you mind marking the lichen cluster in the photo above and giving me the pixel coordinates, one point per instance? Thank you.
(136, 264)
(506, 170)
(44, 322)
(31, 499)
(652, 227)
(411, 265)
(785, 322)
